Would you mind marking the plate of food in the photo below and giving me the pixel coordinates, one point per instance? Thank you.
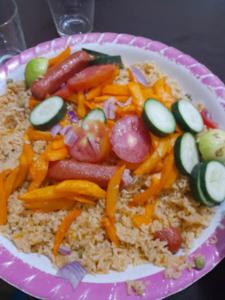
(112, 176)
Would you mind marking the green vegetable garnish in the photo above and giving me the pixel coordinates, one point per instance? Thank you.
(35, 68)
(199, 262)
(212, 145)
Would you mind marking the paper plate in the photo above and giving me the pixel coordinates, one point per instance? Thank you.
(34, 274)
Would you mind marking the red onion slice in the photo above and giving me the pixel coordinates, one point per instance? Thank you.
(110, 108)
(70, 137)
(124, 104)
(127, 178)
(65, 129)
(73, 117)
(56, 129)
(64, 250)
(73, 272)
(139, 75)
(94, 144)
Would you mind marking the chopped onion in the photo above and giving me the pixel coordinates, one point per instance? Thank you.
(65, 129)
(64, 251)
(70, 137)
(110, 108)
(94, 144)
(124, 104)
(139, 75)
(73, 117)
(73, 272)
(56, 129)
(127, 178)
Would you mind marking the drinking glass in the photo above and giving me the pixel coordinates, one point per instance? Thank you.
(72, 16)
(11, 34)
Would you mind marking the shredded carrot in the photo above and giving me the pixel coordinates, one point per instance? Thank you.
(81, 111)
(158, 167)
(163, 92)
(148, 93)
(63, 228)
(110, 229)
(93, 93)
(3, 200)
(57, 144)
(116, 90)
(49, 205)
(59, 58)
(65, 121)
(33, 103)
(36, 135)
(147, 217)
(10, 181)
(58, 154)
(85, 200)
(81, 187)
(99, 99)
(72, 98)
(149, 193)
(23, 170)
(42, 194)
(113, 192)
(136, 94)
(128, 109)
(130, 166)
(169, 171)
(38, 172)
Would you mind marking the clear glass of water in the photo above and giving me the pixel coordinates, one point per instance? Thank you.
(72, 16)
(11, 34)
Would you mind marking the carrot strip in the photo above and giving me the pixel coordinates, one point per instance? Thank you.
(38, 172)
(81, 110)
(54, 155)
(82, 187)
(63, 228)
(42, 194)
(10, 181)
(149, 93)
(148, 194)
(110, 229)
(113, 192)
(84, 200)
(128, 109)
(136, 94)
(52, 205)
(169, 172)
(116, 90)
(147, 217)
(57, 144)
(22, 173)
(3, 200)
(72, 98)
(59, 58)
(163, 92)
(36, 135)
(93, 93)
(33, 103)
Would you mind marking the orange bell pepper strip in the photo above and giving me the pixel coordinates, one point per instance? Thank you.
(110, 229)
(81, 110)
(137, 95)
(54, 155)
(49, 205)
(152, 191)
(147, 217)
(163, 92)
(81, 187)
(23, 171)
(32, 103)
(158, 167)
(63, 228)
(42, 194)
(93, 93)
(57, 144)
(113, 192)
(59, 58)
(38, 172)
(116, 90)
(169, 172)
(3, 200)
(128, 109)
(84, 200)
(148, 93)
(10, 182)
(36, 135)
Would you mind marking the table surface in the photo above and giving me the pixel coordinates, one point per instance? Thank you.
(196, 27)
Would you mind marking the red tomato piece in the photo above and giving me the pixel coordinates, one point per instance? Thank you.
(90, 145)
(207, 121)
(91, 77)
(130, 139)
(172, 236)
(64, 92)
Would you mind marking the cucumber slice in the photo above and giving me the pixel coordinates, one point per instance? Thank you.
(212, 177)
(196, 188)
(102, 58)
(186, 153)
(158, 118)
(187, 116)
(96, 114)
(48, 113)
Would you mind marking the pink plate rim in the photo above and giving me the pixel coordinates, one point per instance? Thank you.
(46, 286)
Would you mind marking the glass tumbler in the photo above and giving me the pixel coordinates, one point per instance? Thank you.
(72, 16)
(11, 34)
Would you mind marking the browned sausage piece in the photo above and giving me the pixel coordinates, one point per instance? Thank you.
(59, 74)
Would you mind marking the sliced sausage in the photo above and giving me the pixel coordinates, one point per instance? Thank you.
(59, 74)
(71, 169)
(91, 77)
(130, 139)
(172, 236)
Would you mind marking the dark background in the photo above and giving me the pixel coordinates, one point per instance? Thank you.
(196, 27)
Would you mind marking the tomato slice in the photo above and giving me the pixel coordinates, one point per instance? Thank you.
(92, 144)
(91, 77)
(172, 236)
